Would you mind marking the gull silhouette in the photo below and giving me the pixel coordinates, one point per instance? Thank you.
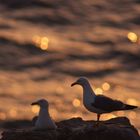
(44, 120)
(99, 104)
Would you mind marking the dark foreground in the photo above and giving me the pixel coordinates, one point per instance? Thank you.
(77, 129)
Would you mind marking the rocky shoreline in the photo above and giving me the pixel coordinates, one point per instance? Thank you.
(76, 128)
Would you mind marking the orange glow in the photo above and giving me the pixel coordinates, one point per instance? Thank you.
(76, 102)
(132, 101)
(109, 116)
(41, 42)
(44, 43)
(2, 116)
(120, 113)
(35, 109)
(112, 115)
(132, 37)
(13, 113)
(132, 115)
(98, 91)
(53, 112)
(59, 90)
(36, 39)
(139, 41)
(75, 116)
(106, 86)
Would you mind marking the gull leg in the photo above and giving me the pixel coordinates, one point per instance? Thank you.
(97, 122)
(98, 117)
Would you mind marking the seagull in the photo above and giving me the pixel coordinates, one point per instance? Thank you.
(99, 104)
(44, 120)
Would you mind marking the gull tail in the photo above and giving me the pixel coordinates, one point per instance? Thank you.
(129, 107)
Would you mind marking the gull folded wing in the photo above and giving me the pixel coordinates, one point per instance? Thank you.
(107, 104)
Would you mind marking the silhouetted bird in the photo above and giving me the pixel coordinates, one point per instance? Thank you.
(44, 120)
(98, 103)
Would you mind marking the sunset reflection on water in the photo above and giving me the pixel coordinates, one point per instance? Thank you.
(41, 42)
(44, 48)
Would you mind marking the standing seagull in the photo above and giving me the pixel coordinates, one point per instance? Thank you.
(98, 103)
(44, 120)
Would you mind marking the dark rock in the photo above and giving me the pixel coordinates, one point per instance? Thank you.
(78, 129)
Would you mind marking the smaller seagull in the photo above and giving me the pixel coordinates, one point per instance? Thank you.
(99, 104)
(44, 120)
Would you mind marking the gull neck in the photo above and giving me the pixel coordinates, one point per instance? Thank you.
(87, 90)
(43, 112)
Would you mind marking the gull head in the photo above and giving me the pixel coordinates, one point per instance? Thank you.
(42, 103)
(81, 81)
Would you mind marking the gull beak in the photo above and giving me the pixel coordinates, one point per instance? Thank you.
(75, 83)
(35, 103)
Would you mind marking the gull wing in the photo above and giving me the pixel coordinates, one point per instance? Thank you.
(107, 104)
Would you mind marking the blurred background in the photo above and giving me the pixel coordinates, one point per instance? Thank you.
(45, 45)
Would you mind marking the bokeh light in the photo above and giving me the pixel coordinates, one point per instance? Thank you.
(41, 42)
(132, 37)
(76, 102)
(106, 86)
(98, 91)
(35, 109)
(44, 43)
